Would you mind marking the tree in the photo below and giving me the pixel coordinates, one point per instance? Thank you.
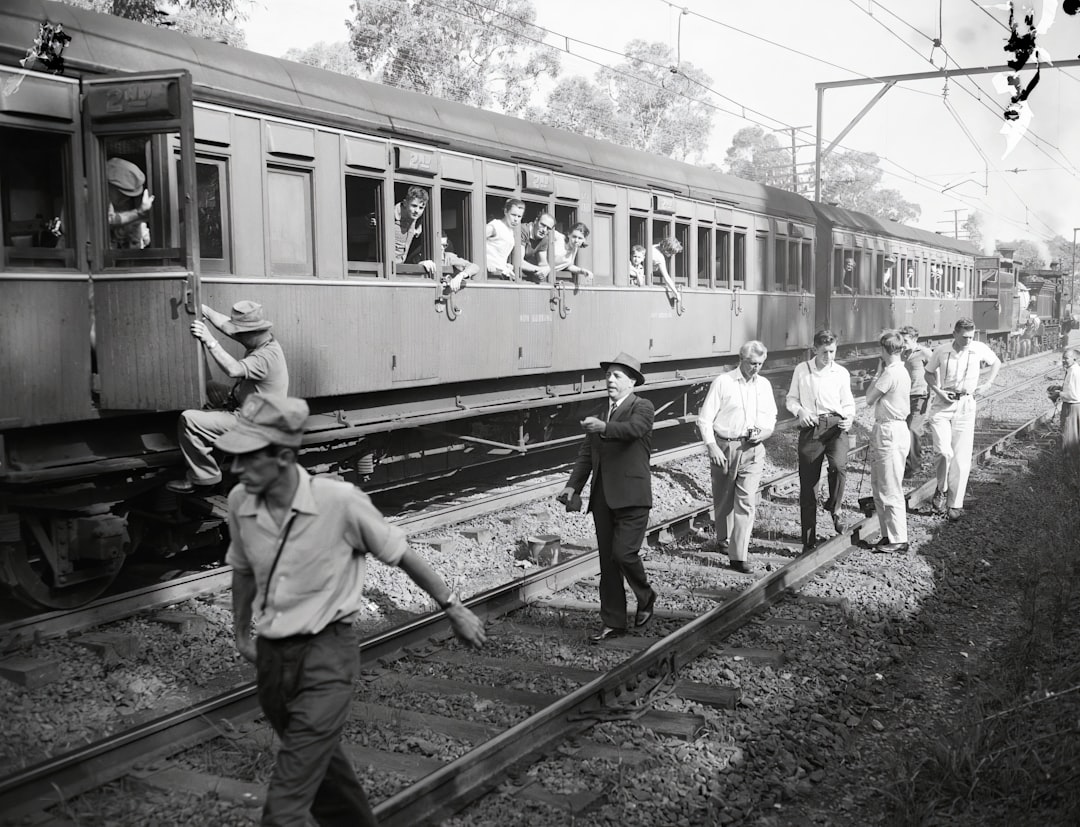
(334, 57)
(480, 52)
(578, 105)
(661, 106)
(756, 155)
(157, 12)
(1027, 255)
(852, 179)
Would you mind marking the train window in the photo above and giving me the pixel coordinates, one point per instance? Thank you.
(661, 229)
(762, 249)
(739, 259)
(502, 249)
(34, 202)
(723, 258)
(212, 209)
(866, 285)
(705, 276)
(793, 266)
(846, 271)
(142, 194)
(601, 249)
(878, 287)
(289, 225)
(780, 262)
(454, 220)
(412, 229)
(807, 273)
(681, 271)
(363, 244)
(565, 218)
(639, 237)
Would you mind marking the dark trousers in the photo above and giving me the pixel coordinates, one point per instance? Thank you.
(815, 444)
(305, 688)
(619, 535)
(916, 421)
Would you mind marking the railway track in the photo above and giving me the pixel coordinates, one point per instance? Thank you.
(651, 671)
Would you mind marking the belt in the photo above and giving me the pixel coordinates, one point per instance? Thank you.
(729, 438)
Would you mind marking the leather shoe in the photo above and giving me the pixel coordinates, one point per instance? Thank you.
(606, 633)
(890, 548)
(937, 502)
(644, 612)
(838, 524)
(955, 514)
(742, 566)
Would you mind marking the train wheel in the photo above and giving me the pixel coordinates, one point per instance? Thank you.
(31, 580)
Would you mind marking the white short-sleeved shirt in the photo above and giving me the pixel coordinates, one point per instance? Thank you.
(894, 385)
(733, 406)
(499, 244)
(331, 528)
(959, 370)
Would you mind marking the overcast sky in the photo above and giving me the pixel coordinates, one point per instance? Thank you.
(932, 135)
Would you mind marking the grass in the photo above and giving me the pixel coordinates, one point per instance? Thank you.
(1013, 754)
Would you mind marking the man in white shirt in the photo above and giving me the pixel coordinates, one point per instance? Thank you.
(500, 235)
(820, 398)
(737, 416)
(888, 397)
(952, 375)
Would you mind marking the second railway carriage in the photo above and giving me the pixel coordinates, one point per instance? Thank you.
(275, 181)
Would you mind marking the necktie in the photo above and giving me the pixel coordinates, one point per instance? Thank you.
(611, 412)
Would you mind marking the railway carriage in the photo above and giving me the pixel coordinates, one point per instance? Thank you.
(277, 182)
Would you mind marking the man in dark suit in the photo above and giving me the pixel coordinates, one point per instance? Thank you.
(616, 454)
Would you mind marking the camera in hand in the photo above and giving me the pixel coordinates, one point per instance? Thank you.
(752, 433)
(955, 395)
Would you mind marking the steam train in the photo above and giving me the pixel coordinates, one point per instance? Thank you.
(277, 182)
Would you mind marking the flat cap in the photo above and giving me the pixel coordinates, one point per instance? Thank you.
(125, 176)
(265, 420)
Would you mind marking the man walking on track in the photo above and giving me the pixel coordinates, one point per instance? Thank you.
(616, 455)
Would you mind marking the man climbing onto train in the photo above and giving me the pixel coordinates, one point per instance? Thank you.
(262, 370)
(299, 547)
(953, 377)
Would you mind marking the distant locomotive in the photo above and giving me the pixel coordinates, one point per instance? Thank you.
(277, 182)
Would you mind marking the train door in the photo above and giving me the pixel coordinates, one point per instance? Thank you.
(144, 261)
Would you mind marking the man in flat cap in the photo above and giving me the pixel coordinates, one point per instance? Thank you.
(299, 547)
(129, 204)
(615, 454)
(262, 370)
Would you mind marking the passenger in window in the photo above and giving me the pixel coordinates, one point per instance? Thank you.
(637, 266)
(262, 370)
(847, 284)
(407, 226)
(535, 238)
(563, 250)
(129, 204)
(664, 249)
(463, 269)
(499, 236)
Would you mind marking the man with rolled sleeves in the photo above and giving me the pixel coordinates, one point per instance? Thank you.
(261, 370)
(737, 416)
(1068, 394)
(299, 548)
(820, 398)
(953, 377)
(615, 454)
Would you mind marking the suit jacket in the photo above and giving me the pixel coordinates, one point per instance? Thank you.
(620, 456)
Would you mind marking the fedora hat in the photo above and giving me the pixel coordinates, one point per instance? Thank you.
(265, 420)
(125, 176)
(246, 317)
(632, 365)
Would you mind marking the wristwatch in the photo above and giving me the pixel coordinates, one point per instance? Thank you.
(452, 600)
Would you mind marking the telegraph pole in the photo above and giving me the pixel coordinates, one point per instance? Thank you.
(794, 154)
(955, 222)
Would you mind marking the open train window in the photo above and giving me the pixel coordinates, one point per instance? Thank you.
(35, 204)
(502, 234)
(846, 268)
(566, 216)
(878, 287)
(454, 217)
(363, 244)
(681, 267)
(142, 196)
(290, 219)
(411, 230)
